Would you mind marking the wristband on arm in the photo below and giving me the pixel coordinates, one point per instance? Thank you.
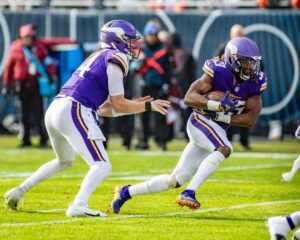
(148, 107)
(213, 106)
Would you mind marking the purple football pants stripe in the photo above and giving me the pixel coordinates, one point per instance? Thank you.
(206, 131)
(82, 131)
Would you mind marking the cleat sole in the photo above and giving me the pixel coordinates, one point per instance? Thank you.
(190, 205)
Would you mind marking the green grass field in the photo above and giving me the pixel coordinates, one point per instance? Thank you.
(236, 200)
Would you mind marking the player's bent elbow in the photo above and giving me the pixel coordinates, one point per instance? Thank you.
(188, 100)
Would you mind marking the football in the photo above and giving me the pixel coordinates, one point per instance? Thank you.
(215, 95)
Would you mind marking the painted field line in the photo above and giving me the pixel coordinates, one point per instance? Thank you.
(241, 206)
(260, 166)
(57, 210)
(147, 177)
(234, 154)
(125, 175)
(168, 153)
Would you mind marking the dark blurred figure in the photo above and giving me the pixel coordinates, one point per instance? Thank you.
(154, 67)
(173, 117)
(27, 55)
(183, 75)
(235, 31)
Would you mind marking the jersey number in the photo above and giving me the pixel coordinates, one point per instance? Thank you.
(220, 64)
(238, 110)
(86, 66)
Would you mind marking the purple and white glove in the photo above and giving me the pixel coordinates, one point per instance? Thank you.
(227, 104)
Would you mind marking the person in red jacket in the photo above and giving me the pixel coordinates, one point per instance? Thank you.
(21, 74)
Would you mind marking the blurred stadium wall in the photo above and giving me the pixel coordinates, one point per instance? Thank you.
(277, 32)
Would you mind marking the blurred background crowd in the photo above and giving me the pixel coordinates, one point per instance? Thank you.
(165, 68)
(173, 5)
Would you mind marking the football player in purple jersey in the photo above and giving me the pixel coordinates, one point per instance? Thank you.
(240, 77)
(72, 125)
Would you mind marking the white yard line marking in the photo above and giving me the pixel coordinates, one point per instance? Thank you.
(234, 154)
(57, 210)
(241, 206)
(122, 175)
(261, 166)
(170, 153)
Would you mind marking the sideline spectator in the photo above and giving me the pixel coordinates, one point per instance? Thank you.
(184, 75)
(154, 67)
(27, 55)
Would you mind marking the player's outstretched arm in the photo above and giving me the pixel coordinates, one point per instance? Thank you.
(119, 105)
(253, 107)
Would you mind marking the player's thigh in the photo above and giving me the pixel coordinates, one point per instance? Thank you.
(189, 162)
(75, 123)
(61, 146)
(91, 149)
(207, 134)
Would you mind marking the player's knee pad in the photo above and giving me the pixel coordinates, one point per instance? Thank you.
(108, 168)
(104, 168)
(66, 164)
(225, 150)
(172, 181)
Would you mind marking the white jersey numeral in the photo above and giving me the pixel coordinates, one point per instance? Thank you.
(261, 76)
(220, 64)
(238, 110)
(86, 65)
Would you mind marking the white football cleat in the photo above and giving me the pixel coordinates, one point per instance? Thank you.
(83, 211)
(278, 228)
(12, 198)
(287, 176)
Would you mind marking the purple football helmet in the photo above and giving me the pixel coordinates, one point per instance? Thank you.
(242, 56)
(120, 35)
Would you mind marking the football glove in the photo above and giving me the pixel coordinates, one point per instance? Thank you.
(227, 104)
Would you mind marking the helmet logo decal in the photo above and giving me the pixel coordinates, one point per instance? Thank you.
(233, 50)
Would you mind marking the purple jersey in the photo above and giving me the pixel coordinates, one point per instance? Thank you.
(222, 80)
(89, 83)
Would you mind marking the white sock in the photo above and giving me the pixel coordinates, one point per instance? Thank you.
(97, 173)
(296, 165)
(296, 218)
(206, 168)
(45, 171)
(155, 184)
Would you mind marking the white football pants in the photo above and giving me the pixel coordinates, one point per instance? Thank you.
(205, 137)
(72, 129)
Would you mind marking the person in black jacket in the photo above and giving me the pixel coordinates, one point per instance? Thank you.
(154, 69)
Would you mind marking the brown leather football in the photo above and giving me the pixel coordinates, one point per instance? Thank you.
(215, 95)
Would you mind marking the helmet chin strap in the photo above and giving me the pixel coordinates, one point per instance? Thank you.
(129, 56)
(114, 46)
(244, 77)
